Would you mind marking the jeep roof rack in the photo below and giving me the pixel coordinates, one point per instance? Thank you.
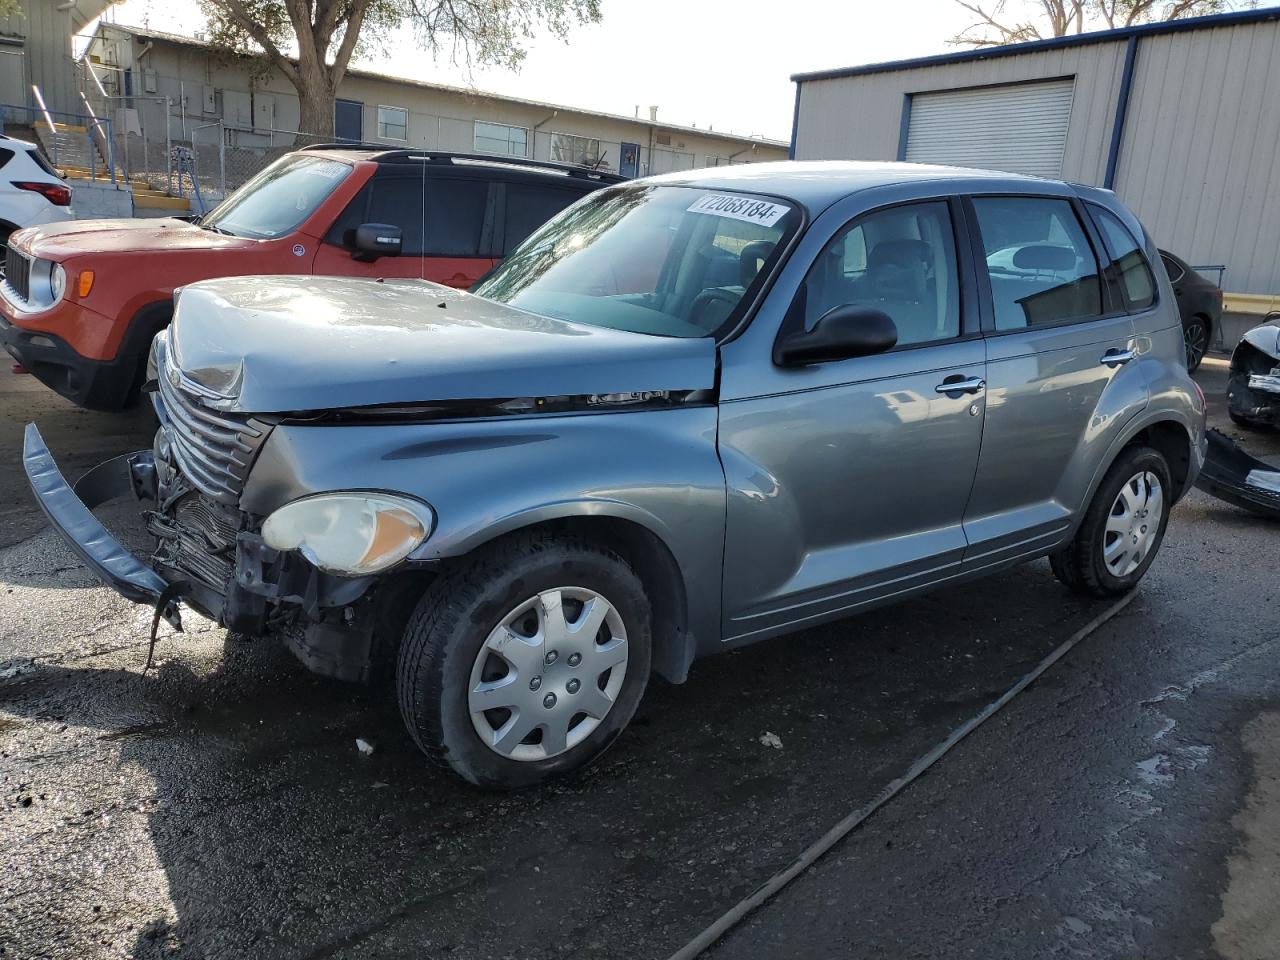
(388, 154)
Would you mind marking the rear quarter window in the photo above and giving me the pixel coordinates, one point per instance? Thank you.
(1128, 272)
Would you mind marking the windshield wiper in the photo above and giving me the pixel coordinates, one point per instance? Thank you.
(211, 227)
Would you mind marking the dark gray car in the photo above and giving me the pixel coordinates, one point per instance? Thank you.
(690, 413)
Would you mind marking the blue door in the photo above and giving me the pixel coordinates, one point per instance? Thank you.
(629, 160)
(348, 120)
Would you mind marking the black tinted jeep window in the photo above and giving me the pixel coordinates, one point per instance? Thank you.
(529, 206)
(455, 215)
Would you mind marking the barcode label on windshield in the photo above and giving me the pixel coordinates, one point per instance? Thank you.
(751, 209)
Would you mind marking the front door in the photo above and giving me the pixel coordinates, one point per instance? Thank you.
(629, 160)
(348, 120)
(1053, 356)
(851, 485)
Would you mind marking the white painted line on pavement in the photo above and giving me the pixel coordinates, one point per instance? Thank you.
(736, 914)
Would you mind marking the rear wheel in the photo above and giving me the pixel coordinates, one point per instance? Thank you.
(1123, 528)
(1195, 338)
(527, 662)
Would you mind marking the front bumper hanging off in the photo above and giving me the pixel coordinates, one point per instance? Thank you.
(69, 513)
(334, 636)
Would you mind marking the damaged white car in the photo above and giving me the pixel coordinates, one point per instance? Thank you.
(1253, 390)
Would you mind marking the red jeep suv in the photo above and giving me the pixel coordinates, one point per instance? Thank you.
(81, 301)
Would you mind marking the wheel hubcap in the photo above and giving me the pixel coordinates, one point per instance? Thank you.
(548, 674)
(1133, 523)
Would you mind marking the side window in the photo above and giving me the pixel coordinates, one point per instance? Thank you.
(1172, 268)
(1128, 269)
(399, 201)
(1038, 257)
(455, 212)
(901, 261)
(342, 232)
(529, 206)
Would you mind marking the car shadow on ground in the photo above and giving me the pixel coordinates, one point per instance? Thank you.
(275, 836)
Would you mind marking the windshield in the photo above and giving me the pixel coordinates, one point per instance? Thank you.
(278, 199)
(667, 260)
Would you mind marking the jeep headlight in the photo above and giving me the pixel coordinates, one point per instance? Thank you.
(350, 533)
(57, 282)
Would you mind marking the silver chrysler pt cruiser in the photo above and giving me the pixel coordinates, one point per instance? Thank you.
(689, 413)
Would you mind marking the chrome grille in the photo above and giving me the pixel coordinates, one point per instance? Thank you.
(212, 448)
(17, 273)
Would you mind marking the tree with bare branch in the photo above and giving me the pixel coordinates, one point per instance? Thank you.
(312, 42)
(1001, 21)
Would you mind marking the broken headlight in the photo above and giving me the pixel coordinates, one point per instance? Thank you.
(354, 533)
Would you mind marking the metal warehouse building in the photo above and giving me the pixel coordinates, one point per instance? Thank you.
(1181, 119)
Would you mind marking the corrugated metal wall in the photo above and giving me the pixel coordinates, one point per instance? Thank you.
(46, 51)
(1200, 160)
(859, 118)
(1200, 157)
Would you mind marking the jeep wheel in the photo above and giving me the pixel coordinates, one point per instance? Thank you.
(526, 662)
(1122, 529)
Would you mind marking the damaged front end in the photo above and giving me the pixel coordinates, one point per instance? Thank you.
(1253, 387)
(208, 553)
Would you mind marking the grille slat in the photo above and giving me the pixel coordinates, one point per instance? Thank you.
(17, 273)
(213, 449)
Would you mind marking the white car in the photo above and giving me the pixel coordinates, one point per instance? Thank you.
(31, 192)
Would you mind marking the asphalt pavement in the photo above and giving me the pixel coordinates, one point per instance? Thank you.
(1125, 805)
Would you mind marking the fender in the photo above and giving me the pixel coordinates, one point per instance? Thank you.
(1164, 407)
(656, 469)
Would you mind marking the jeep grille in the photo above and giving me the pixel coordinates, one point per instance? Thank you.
(17, 273)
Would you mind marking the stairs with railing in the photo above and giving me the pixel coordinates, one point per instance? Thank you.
(82, 152)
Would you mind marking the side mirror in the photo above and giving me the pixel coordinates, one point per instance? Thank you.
(840, 334)
(374, 240)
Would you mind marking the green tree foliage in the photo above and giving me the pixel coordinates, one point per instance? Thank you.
(1002, 22)
(312, 42)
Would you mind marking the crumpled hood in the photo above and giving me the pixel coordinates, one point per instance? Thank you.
(281, 344)
(61, 241)
(1265, 337)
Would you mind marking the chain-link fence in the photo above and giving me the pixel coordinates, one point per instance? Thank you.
(194, 139)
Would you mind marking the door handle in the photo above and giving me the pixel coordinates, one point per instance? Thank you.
(1116, 358)
(969, 385)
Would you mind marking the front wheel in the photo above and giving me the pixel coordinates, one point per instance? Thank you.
(526, 662)
(1122, 529)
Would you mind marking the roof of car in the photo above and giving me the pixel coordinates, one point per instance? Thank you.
(818, 183)
(383, 154)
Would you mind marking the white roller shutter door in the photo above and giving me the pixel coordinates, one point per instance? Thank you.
(1019, 128)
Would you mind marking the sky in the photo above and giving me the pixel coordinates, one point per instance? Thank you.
(719, 63)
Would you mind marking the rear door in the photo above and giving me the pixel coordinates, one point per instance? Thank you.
(459, 219)
(529, 204)
(1056, 339)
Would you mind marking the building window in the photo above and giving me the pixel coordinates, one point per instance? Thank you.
(501, 138)
(566, 148)
(717, 161)
(393, 123)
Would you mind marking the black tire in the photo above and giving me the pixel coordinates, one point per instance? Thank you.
(1081, 566)
(1195, 341)
(454, 618)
